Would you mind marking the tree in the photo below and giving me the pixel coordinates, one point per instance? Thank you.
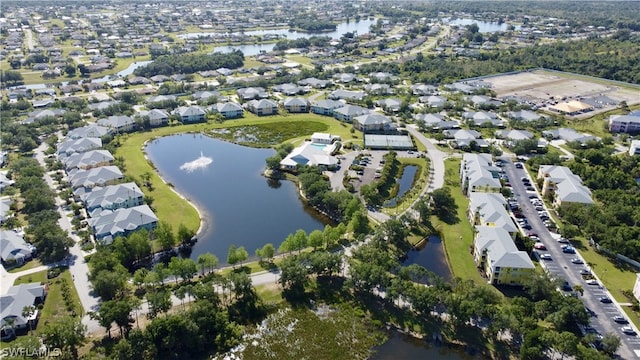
(424, 211)
(266, 252)
(164, 235)
(185, 234)
(182, 268)
(159, 302)
(118, 311)
(11, 77)
(66, 333)
(207, 262)
(109, 283)
(293, 277)
(443, 204)
(610, 343)
(316, 239)
(27, 312)
(237, 255)
(273, 162)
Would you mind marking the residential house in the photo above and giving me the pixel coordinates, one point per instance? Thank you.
(347, 113)
(88, 131)
(436, 121)
(229, 110)
(378, 89)
(344, 78)
(433, 101)
(565, 187)
(423, 90)
(190, 114)
(296, 105)
(112, 197)
(68, 147)
(157, 117)
(514, 135)
(390, 105)
(482, 100)
(478, 173)
(206, 95)
(99, 176)
(314, 83)
(325, 107)
(569, 135)
(251, 93)
(483, 118)
(288, 89)
(634, 147)
(346, 95)
(499, 259)
(13, 249)
(308, 154)
(463, 138)
(122, 222)
(88, 160)
(372, 122)
(161, 99)
(629, 123)
(489, 209)
(119, 123)
(262, 107)
(12, 306)
(525, 115)
(5, 206)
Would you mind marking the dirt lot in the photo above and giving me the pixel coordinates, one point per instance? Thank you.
(543, 88)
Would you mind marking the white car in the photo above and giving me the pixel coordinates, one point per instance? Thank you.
(577, 261)
(592, 282)
(545, 257)
(628, 330)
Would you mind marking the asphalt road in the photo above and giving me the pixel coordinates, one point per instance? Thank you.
(562, 266)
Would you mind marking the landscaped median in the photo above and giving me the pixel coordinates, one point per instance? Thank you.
(169, 206)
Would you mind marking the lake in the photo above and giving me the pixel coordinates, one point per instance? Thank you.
(432, 257)
(240, 207)
(361, 27)
(483, 26)
(405, 183)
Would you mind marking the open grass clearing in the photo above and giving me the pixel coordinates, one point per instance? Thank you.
(458, 237)
(29, 265)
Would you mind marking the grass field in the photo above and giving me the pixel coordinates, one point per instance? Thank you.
(54, 305)
(459, 236)
(171, 207)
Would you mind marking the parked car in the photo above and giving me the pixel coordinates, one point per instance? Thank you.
(526, 227)
(628, 330)
(585, 272)
(620, 319)
(569, 250)
(519, 165)
(563, 240)
(592, 282)
(539, 246)
(577, 261)
(546, 257)
(605, 300)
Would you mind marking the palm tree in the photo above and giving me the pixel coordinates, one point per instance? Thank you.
(27, 312)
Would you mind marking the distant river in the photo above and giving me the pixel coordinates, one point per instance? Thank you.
(239, 205)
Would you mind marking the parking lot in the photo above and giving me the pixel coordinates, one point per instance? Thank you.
(556, 258)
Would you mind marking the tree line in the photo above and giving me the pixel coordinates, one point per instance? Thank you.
(191, 63)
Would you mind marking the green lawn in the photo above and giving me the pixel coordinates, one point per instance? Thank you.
(614, 278)
(171, 207)
(54, 305)
(457, 238)
(29, 265)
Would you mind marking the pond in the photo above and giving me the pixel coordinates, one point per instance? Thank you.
(401, 346)
(483, 26)
(361, 27)
(404, 184)
(124, 73)
(224, 180)
(432, 257)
